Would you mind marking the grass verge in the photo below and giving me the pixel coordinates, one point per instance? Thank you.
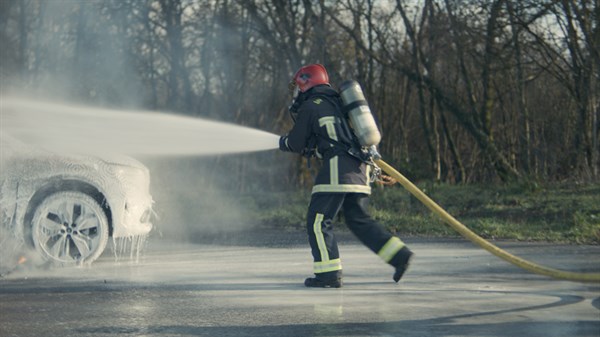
(557, 213)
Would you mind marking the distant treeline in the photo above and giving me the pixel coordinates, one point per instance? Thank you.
(463, 90)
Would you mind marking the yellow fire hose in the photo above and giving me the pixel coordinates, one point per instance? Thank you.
(467, 233)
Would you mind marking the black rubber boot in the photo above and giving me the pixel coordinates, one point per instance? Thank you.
(404, 256)
(316, 282)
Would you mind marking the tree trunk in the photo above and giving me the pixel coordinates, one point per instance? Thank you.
(426, 111)
(23, 40)
(149, 32)
(180, 93)
(524, 130)
(459, 175)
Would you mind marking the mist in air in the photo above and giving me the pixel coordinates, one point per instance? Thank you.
(97, 77)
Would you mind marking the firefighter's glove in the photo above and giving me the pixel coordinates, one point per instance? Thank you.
(283, 146)
(386, 180)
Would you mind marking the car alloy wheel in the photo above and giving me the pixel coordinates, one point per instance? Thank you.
(70, 227)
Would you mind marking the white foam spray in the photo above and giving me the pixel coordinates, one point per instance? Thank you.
(81, 129)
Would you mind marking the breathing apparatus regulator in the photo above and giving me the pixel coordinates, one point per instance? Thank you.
(295, 93)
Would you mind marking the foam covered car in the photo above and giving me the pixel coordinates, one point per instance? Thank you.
(68, 206)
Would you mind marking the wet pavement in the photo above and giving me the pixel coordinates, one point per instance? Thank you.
(233, 287)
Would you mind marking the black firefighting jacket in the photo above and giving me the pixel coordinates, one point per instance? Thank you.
(318, 122)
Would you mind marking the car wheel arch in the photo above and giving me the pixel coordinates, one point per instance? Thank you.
(63, 185)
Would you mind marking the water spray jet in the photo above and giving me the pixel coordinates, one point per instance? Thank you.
(81, 129)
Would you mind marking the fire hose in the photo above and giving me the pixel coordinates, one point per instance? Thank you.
(481, 242)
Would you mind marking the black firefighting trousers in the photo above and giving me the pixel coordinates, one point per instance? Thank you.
(322, 210)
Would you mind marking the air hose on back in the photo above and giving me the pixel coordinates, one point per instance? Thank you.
(467, 233)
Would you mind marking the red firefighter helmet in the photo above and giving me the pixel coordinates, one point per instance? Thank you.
(310, 76)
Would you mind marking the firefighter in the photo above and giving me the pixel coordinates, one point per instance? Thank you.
(342, 183)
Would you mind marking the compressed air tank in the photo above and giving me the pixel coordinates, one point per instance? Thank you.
(359, 113)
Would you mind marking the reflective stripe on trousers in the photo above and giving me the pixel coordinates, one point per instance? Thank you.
(325, 265)
(390, 248)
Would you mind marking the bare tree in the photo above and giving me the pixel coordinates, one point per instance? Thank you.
(179, 89)
(464, 91)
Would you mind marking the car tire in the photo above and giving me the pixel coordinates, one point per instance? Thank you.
(69, 227)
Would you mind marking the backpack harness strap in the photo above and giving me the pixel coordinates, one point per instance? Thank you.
(355, 150)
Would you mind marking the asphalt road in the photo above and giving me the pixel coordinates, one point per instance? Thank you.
(235, 287)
